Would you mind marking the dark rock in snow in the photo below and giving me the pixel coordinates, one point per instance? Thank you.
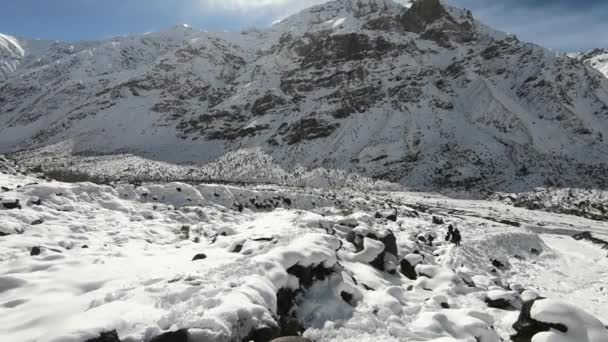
(498, 264)
(37, 201)
(85, 246)
(535, 251)
(408, 270)
(526, 327)
(37, 222)
(172, 336)
(347, 297)
(262, 334)
(35, 251)
(5, 189)
(11, 204)
(4, 234)
(199, 256)
(390, 215)
(238, 248)
(499, 303)
(109, 336)
(437, 220)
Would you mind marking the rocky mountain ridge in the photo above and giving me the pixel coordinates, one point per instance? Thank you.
(422, 95)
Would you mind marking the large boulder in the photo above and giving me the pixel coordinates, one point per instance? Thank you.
(109, 336)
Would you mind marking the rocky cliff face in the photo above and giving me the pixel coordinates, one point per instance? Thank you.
(426, 96)
(596, 58)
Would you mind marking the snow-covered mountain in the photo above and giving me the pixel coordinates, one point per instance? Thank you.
(596, 58)
(423, 95)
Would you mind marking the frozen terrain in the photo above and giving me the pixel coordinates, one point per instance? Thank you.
(79, 259)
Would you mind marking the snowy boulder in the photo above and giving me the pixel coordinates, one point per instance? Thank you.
(548, 320)
(390, 214)
(461, 325)
(109, 336)
(172, 336)
(504, 300)
(408, 265)
(379, 248)
(529, 295)
(11, 204)
(437, 220)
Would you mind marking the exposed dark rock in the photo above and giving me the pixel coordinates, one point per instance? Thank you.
(85, 246)
(390, 215)
(110, 336)
(437, 220)
(267, 103)
(526, 327)
(498, 264)
(445, 305)
(499, 303)
(347, 297)
(238, 248)
(11, 204)
(535, 251)
(408, 269)
(172, 336)
(37, 222)
(510, 223)
(309, 129)
(36, 202)
(4, 234)
(263, 334)
(587, 236)
(199, 256)
(35, 251)
(5, 189)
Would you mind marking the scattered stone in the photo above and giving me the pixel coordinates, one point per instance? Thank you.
(38, 222)
(4, 234)
(4, 189)
(36, 201)
(390, 215)
(408, 265)
(181, 335)
(179, 189)
(84, 247)
(109, 336)
(535, 251)
(35, 251)
(199, 256)
(437, 220)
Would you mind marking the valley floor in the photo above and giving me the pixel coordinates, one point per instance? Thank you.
(80, 259)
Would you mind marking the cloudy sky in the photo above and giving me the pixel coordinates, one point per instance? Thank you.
(566, 25)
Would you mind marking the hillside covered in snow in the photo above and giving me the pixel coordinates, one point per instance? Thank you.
(424, 96)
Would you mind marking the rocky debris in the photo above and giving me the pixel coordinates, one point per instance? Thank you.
(526, 327)
(199, 256)
(35, 251)
(109, 336)
(498, 264)
(172, 336)
(437, 220)
(37, 222)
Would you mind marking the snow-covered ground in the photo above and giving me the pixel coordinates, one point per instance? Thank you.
(79, 259)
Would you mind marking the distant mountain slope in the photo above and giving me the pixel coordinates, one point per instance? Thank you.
(426, 96)
(596, 58)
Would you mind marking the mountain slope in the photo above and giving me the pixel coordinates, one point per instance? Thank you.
(596, 58)
(425, 96)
